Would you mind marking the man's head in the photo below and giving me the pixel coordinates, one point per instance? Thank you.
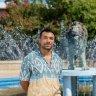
(46, 39)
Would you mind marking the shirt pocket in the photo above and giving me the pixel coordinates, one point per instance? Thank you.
(38, 65)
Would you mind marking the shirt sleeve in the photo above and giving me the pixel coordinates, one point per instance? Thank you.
(25, 71)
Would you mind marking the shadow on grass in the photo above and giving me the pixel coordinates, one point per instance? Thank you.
(21, 94)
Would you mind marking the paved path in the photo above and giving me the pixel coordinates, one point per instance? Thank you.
(9, 68)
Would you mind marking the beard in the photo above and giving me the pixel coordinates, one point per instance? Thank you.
(47, 47)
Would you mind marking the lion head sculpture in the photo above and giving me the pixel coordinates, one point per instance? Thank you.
(77, 40)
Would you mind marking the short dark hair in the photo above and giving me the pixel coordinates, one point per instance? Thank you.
(46, 30)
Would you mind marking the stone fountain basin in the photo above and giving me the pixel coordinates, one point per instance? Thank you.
(10, 68)
(79, 72)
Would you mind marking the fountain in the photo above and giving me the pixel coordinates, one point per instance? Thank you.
(15, 46)
(75, 42)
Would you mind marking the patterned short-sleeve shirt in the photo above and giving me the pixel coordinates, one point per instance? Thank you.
(34, 67)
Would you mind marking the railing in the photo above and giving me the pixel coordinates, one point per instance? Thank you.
(9, 82)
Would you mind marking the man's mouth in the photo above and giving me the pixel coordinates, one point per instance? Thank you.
(48, 44)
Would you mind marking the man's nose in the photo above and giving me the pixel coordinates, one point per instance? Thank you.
(49, 40)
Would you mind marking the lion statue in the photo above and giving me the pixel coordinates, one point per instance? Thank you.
(76, 37)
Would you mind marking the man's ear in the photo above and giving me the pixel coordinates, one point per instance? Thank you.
(39, 40)
(54, 45)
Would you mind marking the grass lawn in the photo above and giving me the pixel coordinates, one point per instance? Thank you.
(20, 92)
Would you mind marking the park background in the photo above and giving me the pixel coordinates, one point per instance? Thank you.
(29, 17)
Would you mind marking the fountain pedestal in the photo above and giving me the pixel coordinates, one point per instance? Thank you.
(68, 74)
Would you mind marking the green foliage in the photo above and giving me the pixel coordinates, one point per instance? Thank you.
(85, 11)
(24, 17)
(31, 17)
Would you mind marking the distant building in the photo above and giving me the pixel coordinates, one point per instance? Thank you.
(3, 12)
(2, 5)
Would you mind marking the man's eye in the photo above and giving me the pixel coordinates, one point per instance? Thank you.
(51, 38)
(45, 37)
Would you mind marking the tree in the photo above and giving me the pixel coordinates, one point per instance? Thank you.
(24, 17)
(37, 15)
(71, 10)
(85, 11)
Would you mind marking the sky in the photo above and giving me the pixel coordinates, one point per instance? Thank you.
(2, 3)
(2, 0)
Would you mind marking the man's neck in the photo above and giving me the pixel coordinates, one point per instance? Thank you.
(45, 52)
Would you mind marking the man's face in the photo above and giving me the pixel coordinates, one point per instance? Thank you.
(47, 40)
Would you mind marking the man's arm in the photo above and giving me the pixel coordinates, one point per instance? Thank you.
(25, 85)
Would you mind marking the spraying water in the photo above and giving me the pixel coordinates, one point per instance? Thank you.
(73, 44)
(14, 45)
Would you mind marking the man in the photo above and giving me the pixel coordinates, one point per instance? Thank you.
(40, 69)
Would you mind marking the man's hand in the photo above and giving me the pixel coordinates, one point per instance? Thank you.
(25, 85)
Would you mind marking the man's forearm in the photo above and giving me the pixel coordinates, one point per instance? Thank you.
(25, 85)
